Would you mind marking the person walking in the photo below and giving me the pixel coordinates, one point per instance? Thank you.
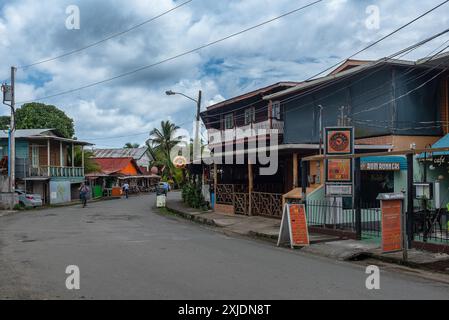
(84, 191)
(126, 189)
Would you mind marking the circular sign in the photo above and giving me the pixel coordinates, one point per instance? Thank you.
(339, 142)
(180, 162)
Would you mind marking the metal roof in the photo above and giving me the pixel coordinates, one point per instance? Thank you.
(135, 153)
(51, 134)
(442, 143)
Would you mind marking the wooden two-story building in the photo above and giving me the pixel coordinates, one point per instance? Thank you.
(45, 164)
(392, 104)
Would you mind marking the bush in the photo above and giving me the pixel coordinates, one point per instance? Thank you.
(193, 197)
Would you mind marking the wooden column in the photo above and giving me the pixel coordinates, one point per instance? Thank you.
(61, 155)
(215, 184)
(48, 157)
(295, 171)
(250, 187)
(82, 158)
(73, 155)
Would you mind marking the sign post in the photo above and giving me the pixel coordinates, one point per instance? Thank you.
(294, 229)
(339, 172)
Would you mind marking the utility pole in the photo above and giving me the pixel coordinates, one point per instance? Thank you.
(12, 129)
(197, 143)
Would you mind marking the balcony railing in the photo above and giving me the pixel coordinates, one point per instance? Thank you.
(250, 130)
(55, 171)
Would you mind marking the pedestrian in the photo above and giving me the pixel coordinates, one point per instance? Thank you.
(84, 191)
(126, 189)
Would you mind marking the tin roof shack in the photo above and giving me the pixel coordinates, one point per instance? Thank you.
(45, 164)
(140, 155)
(115, 171)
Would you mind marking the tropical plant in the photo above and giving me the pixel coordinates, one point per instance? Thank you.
(193, 197)
(89, 163)
(162, 141)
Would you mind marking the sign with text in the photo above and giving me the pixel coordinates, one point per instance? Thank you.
(391, 225)
(380, 166)
(294, 229)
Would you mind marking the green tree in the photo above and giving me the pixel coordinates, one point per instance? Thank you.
(4, 122)
(41, 116)
(162, 141)
(89, 163)
(130, 145)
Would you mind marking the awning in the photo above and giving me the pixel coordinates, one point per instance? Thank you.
(384, 163)
(442, 143)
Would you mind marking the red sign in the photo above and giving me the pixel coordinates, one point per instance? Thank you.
(298, 223)
(294, 227)
(391, 226)
(339, 170)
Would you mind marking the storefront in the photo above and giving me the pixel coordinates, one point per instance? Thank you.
(382, 175)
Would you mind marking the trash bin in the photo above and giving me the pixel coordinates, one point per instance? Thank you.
(161, 197)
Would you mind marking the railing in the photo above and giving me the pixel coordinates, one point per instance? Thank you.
(266, 204)
(241, 203)
(55, 171)
(431, 226)
(329, 214)
(250, 130)
(225, 194)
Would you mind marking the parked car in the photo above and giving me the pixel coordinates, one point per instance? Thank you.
(29, 200)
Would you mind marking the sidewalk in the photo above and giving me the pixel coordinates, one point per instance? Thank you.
(323, 245)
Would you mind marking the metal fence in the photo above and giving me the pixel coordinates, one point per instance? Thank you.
(332, 214)
(431, 226)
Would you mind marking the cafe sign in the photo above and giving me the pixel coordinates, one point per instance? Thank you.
(380, 166)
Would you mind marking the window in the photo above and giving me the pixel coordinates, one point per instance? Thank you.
(276, 110)
(229, 121)
(35, 156)
(250, 115)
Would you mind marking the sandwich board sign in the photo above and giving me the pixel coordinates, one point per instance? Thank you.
(294, 227)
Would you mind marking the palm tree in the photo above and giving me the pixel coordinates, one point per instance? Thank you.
(130, 145)
(162, 141)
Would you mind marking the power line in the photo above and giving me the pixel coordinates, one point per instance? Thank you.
(381, 39)
(325, 85)
(114, 35)
(178, 55)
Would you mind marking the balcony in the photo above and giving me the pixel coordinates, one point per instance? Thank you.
(248, 131)
(25, 170)
(54, 171)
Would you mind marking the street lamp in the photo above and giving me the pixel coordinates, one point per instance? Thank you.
(196, 144)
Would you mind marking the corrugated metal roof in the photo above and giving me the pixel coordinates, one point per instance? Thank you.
(51, 134)
(135, 153)
(114, 165)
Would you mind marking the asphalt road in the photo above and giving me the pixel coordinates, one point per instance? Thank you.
(126, 250)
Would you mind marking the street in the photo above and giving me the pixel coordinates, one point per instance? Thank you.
(125, 249)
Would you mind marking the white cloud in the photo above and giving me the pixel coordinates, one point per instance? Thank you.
(293, 48)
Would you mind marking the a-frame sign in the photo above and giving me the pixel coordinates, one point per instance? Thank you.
(294, 229)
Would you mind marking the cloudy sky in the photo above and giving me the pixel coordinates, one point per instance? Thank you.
(126, 109)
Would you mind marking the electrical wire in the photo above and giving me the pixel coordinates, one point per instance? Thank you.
(114, 35)
(209, 44)
(381, 39)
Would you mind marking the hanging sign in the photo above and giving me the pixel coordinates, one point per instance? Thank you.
(294, 229)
